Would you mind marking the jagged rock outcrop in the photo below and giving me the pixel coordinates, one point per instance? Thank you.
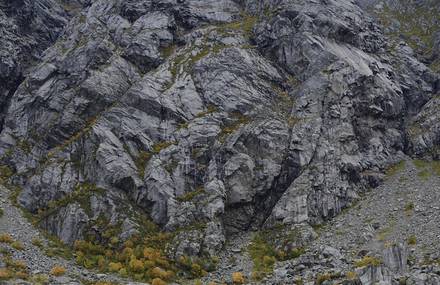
(236, 115)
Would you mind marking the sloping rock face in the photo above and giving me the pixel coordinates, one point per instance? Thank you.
(234, 114)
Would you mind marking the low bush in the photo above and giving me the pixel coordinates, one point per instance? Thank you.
(412, 240)
(238, 278)
(158, 281)
(6, 238)
(368, 261)
(57, 271)
(17, 245)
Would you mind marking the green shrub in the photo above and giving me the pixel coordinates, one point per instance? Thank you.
(412, 240)
(368, 261)
(17, 245)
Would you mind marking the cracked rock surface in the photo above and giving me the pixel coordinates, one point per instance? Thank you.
(218, 119)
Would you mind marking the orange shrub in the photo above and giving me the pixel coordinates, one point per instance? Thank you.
(5, 273)
(58, 270)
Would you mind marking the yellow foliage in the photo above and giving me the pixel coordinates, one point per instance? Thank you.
(127, 252)
(159, 273)
(6, 238)
(136, 265)
(351, 275)
(151, 253)
(238, 278)
(58, 271)
(158, 281)
(114, 266)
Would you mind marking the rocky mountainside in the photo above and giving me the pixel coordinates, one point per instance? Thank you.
(167, 140)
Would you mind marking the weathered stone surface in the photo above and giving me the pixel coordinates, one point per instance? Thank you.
(214, 116)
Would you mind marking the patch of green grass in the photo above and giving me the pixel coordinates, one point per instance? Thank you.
(427, 168)
(396, 168)
(420, 164)
(424, 174)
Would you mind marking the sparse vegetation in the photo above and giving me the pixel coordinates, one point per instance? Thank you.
(191, 195)
(320, 278)
(396, 168)
(6, 238)
(351, 275)
(412, 240)
(264, 255)
(81, 194)
(141, 162)
(5, 173)
(238, 278)
(17, 245)
(58, 271)
(37, 242)
(427, 168)
(414, 24)
(230, 127)
(162, 145)
(141, 258)
(368, 261)
(39, 279)
(409, 207)
(14, 269)
(245, 25)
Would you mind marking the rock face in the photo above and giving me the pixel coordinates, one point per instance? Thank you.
(235, 114)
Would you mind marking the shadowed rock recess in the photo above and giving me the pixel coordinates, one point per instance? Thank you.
(192, 129)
